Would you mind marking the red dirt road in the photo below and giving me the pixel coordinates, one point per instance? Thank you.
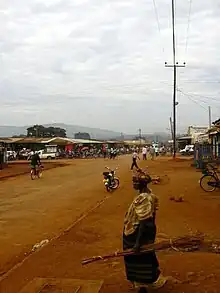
(32, 211)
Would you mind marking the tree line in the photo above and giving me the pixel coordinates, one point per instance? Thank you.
(40, 131)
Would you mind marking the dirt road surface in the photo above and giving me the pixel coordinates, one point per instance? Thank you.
(31, 211)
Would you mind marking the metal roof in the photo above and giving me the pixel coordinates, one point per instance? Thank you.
(86, 141)
(184, 137)
(61, 140)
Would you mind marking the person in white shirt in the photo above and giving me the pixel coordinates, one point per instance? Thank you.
(134, 160)
(152, 152)
(144, 153)
(111, 153)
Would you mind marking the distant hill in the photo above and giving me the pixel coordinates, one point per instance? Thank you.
(157, 137)
(96, 133)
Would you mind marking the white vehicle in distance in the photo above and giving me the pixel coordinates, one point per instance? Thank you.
(188, 150)
(44, 154)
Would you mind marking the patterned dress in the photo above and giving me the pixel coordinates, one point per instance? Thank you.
(142, 269)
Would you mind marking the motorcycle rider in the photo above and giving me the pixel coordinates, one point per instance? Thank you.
(35, 161)
(108, 176)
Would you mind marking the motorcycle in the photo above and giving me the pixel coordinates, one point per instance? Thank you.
(110, 181)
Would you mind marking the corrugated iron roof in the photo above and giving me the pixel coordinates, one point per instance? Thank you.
(58, 140)
(61, 140)
(184, 137)
(86, 141)
(10, 139)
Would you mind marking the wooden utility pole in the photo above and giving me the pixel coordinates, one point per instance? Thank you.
(210, 117)
(175, 65)
(139, 130)
(171, 127)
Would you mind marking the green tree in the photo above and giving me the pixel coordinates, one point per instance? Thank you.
(82, 135)
(41, 131)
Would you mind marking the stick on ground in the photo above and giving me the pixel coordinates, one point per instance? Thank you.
(187, 243)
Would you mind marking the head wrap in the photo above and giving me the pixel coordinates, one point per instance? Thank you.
(140, 179)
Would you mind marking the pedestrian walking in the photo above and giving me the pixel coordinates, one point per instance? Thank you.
(144, 153)
(152, 153)
(135, 157)
(156, 151)
(104, 151)
(111, 153)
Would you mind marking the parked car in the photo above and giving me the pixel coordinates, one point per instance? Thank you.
(187, 151)
(43, 154)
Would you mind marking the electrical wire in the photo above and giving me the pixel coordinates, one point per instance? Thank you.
(175, 22)
(188, 26)
(215, 109)
(201, 96)
(201, 81)
(194, 101)
(158, 22)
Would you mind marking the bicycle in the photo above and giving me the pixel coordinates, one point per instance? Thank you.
(36, 173)
(210, 180)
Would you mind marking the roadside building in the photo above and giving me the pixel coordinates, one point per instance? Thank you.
(192, 136)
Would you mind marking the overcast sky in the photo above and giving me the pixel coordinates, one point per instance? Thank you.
(100, 63)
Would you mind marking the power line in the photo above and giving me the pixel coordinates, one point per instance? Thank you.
(208, 100)
(158, 22)
(188, 26)
(176, 37)
(194, 101)
(207, 108)
(201, 81)
(215, 108)
(196, 95)
(195, 81)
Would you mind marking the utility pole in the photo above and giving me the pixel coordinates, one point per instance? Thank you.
(171, 127)
(36, 131)
(210, 117)
(175, 65)
(139, 130)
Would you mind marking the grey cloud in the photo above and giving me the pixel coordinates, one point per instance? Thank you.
(105, 59)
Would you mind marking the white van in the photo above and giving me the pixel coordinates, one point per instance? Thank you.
(189, 150)
(44, 154)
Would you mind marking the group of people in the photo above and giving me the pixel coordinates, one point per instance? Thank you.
(146, 152)
(149, 152)
(142, 269)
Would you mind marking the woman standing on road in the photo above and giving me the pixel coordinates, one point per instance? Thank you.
(142, 270)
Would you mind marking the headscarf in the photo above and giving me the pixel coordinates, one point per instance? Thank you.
(143, 206)
(140, 180)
